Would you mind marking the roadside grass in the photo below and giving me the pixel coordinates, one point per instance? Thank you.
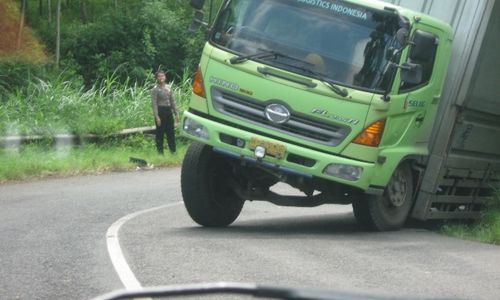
(48, 108)
(59, 106)
(486, 230)
(43, 160)
(56, 105)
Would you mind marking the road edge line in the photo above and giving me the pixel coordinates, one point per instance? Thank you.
(115, 252)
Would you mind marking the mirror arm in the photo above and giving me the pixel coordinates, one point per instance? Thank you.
(197, 21)
(386, 97)
(197, 4)
(403, 67)
(210, 12)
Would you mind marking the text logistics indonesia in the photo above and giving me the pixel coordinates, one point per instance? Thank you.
(338, 8)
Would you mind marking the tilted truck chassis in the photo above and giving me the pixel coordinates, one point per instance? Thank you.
(337, 100)
(463, 168)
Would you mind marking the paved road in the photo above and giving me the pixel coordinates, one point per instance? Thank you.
(52, 232)
(53, 245)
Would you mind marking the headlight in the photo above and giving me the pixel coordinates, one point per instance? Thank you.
(347, 172)
(195, 129)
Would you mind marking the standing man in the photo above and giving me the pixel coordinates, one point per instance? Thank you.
(164, 107)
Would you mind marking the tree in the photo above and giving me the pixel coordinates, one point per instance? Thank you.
(24, 7)
(49, 10)
(83, 11)
(58, 33)
(21, 24)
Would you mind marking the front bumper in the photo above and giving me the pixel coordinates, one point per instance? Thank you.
(322, 160)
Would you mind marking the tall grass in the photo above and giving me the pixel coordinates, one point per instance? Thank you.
(47, 108)
(61, 106)
(182, 90)
(487, 229)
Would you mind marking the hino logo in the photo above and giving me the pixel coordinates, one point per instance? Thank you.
(277, 113)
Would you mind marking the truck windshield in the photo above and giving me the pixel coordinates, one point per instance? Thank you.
(346, 43)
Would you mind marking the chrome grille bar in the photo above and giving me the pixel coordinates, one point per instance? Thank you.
(251, 110)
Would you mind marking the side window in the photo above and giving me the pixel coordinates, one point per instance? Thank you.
(422, 54)
(229, 21)
(226, 22)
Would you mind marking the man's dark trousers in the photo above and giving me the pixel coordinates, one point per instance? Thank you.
(166, 127)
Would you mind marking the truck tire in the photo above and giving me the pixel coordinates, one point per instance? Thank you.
(209, 201)
(389, 211)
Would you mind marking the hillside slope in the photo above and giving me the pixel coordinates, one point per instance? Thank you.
(18, 42)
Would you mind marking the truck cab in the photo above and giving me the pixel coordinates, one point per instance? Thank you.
(336, 98)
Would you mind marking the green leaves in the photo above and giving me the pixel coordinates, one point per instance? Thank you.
(132, 42)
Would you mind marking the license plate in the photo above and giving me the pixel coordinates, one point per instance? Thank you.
(272, 149)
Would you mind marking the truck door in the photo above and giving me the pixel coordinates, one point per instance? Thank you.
(422, 97)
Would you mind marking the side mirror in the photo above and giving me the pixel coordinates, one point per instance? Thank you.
(197, 4)
(411, 73)
(423, 49)
(197, 21)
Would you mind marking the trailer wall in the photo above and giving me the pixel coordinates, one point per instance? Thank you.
(464, 163)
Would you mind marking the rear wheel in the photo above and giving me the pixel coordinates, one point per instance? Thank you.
(208, 199)
(389, 211)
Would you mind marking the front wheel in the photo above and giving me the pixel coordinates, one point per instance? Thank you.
(208, 199)
(389, 211)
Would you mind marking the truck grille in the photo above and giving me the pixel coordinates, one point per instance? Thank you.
(301, 126)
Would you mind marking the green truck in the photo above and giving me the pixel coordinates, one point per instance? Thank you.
(339, 99)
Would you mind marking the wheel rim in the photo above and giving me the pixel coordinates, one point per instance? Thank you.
(397, 189)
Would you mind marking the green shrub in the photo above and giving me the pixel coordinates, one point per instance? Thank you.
(487, 229)
(131, 43)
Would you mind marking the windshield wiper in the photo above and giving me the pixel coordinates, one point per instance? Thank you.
(341, 92)
(276, 54)
(264, 54)
(324, 79)
(245, 289)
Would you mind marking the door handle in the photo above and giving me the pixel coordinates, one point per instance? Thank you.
(419, 120)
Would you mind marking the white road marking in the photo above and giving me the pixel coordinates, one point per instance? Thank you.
(120, 264)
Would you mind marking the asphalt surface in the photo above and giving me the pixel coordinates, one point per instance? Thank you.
(53, 245)
(52, 232)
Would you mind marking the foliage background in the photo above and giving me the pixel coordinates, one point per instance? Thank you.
(130, 38)
(110, 50)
